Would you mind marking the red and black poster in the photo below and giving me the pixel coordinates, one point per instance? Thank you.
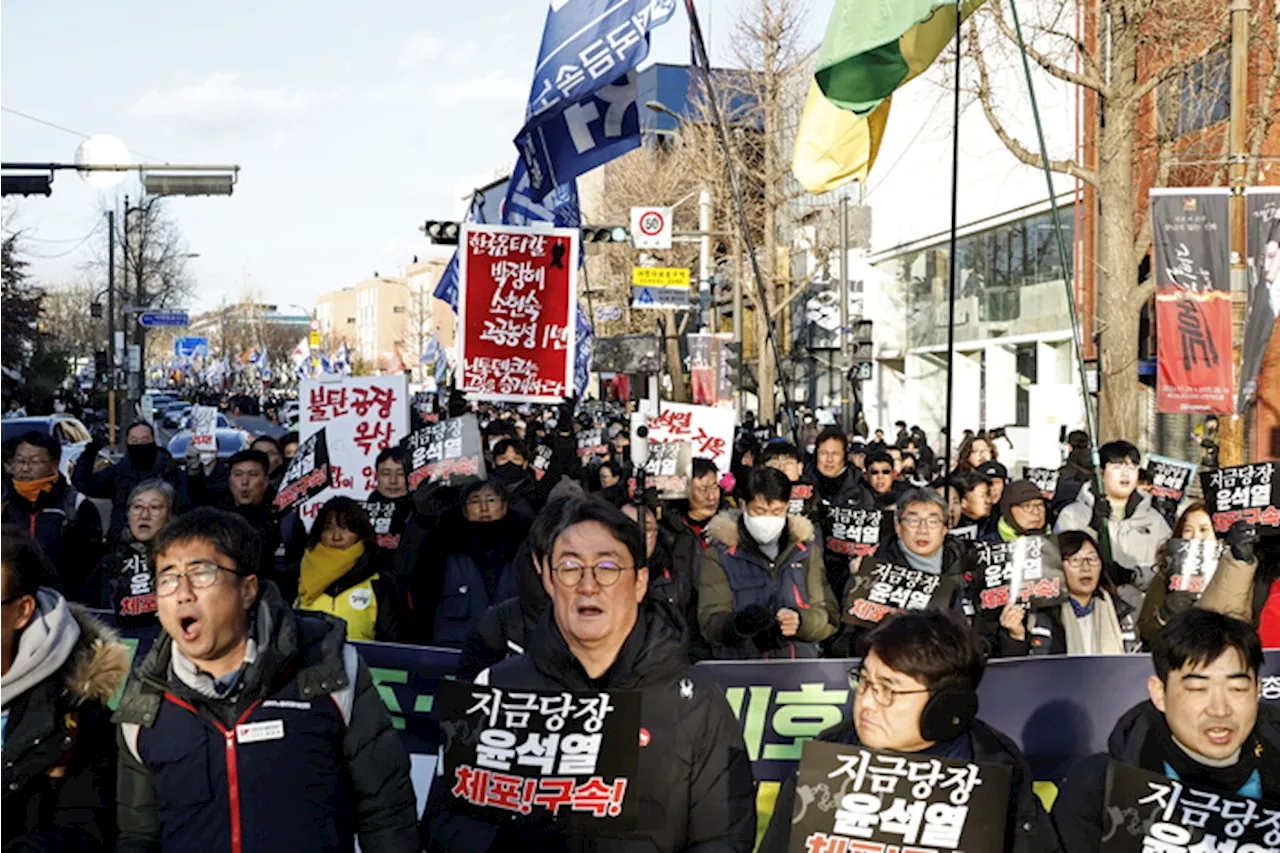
(308, 473)
(1262, 235)
(1191, 265)
(518, 291)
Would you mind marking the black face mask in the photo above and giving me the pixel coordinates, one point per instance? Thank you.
(142, 456)
(508, 472)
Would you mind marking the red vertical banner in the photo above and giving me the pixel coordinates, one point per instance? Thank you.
(517, 293)
(1191, 265)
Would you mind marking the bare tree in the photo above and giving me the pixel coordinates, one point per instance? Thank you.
(1131, 61)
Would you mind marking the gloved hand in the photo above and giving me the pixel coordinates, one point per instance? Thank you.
(1101, 514)
(752, 620)
(1242, 538)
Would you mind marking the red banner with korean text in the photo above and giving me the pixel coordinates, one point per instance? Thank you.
(1191, 265)
(518, 290)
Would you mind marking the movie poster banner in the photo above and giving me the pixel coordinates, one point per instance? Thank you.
(518, 291)
(1244, 493)
(568, 755)
(1262, 236)
(853, 799)
(1161, 814)
(1191, 266)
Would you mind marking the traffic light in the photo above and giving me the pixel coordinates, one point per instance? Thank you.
(26, 185)
(441, 233)
(95, 310)
(606, 234)
(100, 365)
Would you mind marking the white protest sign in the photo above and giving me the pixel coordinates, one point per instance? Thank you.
(364, 415)
(709, 430)
(204, 423)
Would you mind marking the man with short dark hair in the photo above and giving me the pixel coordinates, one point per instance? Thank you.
(1204, 724)
(309, 759)
(38, 499)
(60, 668)
(391, 471)
(685, 525)
(786, 457)
(275, 458)
(885, 487)
(1135, 530)
(694, 788)
(142, 461)
(975, 503)
(907, 661)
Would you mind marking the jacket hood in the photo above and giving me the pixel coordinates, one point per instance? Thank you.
(726, 528)
(1139, 504)
(64, 637)
(652, 653)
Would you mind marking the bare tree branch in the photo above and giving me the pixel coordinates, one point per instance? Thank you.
(1087, 79)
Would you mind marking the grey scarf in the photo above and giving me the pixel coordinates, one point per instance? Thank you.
(44, 646)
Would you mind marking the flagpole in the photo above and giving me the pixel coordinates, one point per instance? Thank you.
(953, 259)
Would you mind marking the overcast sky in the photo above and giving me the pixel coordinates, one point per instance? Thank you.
(352, 123)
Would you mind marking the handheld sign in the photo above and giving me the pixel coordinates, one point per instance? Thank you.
(668, 468)
(798, 500)
(1026, 569)
(1165, 814)
(1192, 563)
(852, 799)
(1169, 481)
(880, 589)
(591, 443)
(204, 422)
(446, 452)
(387, 518)
(854, 532)
(308, 473)
(1244, 493)
(541, 463)
(567, 755)
(1045, 479)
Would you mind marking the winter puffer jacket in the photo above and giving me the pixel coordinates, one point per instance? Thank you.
(1142, 738)
(68, 529)
(59, 745)
(301, 756)
(505, 628)
(1135, 539)
(694, 786)
(1027, 827)
(847, 490)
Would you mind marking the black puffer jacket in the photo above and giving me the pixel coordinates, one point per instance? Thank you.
(125, 584)
(694, 784)
(68, 529)
(59, 750)
(1027, 827)
(505, 628)
(847, 490)
(1142, 738)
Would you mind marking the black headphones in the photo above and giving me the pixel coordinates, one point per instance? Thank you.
(949, 712)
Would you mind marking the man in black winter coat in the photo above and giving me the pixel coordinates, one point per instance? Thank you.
(838, 486)
(60, 667)
(693, 788)
(906, 661)
(1204, 724)
(143, 461)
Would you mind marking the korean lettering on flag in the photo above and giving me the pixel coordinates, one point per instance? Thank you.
(885, 802)
(570, 755)
(1244, 493)
(878, 590)
(308, 473)
(582, 106)
(446, 452)
(1192, 563)
(1173, 817)
(1045, 479)
(854, 532)
(1025, 569)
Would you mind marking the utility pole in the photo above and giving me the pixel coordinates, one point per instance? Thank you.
(737, 322)
(707, 318)
(140, 302)
(111, 328)
(1231, 432)
(846, 407)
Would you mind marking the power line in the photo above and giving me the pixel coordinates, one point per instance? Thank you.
(85, 239)
(65, 129)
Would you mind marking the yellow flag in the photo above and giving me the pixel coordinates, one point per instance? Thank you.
(835, 146)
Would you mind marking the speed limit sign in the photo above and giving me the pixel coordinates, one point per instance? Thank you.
(651, 227)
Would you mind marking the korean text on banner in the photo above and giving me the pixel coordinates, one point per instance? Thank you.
(362, 416)
(310, 472)
(709, 429)
(516, 306)
(1244, 493)
(878, 590)
(447, 452)
(1045, 479)
(896, 802)
(566, 755)
(1192, 564)
(668, 468)
(854, 532)
(204, 424)
(1027, 569)
(1193, 301)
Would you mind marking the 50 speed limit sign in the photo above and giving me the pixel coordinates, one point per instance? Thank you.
(651, 227)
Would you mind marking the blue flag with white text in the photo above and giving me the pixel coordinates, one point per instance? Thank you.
(582, 106)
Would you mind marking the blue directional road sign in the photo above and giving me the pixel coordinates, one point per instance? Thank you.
(163, 318)
(191, 347)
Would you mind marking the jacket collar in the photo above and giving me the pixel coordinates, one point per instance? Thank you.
(727, 529)
(652, 652)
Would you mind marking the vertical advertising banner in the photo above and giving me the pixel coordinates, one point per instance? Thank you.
(1191, 265)
(518, 292)
(1262, 236)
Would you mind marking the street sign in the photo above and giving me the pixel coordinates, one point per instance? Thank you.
(315, 325)
(651, 227)
(676, 298)
(660, 277)
(163, 318)
(191, 347)
(606, 313)
(314, 341)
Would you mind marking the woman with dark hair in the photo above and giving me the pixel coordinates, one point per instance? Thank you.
(1092, 621)
(975, 451)
(341, 576)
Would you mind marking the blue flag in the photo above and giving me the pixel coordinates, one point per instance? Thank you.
(582, 107)
(447, 288)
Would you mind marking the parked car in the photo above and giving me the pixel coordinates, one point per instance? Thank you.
(175, 413)
(230, 442)
(73, 435)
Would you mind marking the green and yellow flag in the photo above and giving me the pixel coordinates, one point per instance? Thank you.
(870, 49)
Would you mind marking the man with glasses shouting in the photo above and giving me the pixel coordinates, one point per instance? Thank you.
(694, 786)
(250, 727)
(914, 692)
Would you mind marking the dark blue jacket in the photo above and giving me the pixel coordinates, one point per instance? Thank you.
(117, 481)
(68, 530)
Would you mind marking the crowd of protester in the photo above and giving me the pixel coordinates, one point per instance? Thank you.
(555, 571)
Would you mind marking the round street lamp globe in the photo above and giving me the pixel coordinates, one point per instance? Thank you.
(102, 149)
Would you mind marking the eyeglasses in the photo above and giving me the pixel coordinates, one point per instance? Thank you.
(1083, 562)
(199, 575)
(880, 472)
(932, 522)
(606, 573)
(882, 693)
(146, 509)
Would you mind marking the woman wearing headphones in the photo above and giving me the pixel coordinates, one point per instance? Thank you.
(914, 692)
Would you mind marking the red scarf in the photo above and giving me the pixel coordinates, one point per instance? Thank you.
(1269, 620)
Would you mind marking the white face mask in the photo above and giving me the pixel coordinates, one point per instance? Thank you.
(765, 529)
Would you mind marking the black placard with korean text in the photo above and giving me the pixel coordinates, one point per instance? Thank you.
(448, 452)
(1244, 493)
(1045, 479)
(1191, 564)
(1022, 565)
(880, 589)
(308, 473)
(853, 532)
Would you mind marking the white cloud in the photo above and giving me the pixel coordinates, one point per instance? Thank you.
(495, 87)
(220, 98)
(463, 53)
(418, 52)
